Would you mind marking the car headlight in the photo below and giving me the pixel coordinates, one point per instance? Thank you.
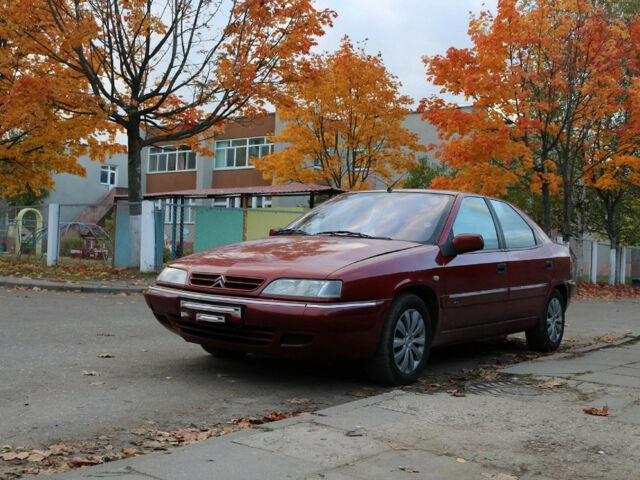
(293, 287)
(173, 275)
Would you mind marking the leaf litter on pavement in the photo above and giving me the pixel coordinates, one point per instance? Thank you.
(20, 462)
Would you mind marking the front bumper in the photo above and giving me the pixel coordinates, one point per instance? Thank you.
(344, 329)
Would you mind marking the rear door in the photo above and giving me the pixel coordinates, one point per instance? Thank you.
(476, 283)
(528, 263)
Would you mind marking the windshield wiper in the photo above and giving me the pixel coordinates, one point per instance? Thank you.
(348, 233)
(290, 231)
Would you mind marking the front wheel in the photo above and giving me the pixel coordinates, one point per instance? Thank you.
(404, 343)
(547, 334)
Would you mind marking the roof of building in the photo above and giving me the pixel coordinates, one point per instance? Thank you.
(287, 189)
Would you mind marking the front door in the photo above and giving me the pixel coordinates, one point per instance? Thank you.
(476, 283)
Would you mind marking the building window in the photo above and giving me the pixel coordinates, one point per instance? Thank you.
(108, 175)
(238, 152)
(189, 210)
(226, 202)
(171, 159)
(261, 201)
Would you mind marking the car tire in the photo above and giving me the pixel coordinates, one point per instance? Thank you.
(403, 347)
(222, 352)
(546, 336)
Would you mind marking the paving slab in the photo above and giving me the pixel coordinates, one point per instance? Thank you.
(365, 419)
(626, 370)
(607, 378)
(414, 464)
(314, 443)
(214, 458)
(557, 368)
(630, 415)
(613, 356)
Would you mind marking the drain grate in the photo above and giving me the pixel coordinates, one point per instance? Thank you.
(502, 387)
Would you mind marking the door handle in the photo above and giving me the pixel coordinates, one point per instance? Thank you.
(501, 268)
(548, 264)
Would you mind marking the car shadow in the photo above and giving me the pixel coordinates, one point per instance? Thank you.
(446, 365)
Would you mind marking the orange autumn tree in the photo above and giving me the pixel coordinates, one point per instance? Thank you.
(540, 77)
(47, 119)
(173, 71)
(343, 122)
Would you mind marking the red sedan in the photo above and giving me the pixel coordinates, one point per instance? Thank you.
(377, 275)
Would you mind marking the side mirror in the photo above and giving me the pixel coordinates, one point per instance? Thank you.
(467, 242)
(274, 231)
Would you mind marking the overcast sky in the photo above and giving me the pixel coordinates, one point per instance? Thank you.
(404, 31)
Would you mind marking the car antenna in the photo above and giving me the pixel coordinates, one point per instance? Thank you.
(390, 187)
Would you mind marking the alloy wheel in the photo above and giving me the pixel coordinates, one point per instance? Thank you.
(409, 341)
(555, 320)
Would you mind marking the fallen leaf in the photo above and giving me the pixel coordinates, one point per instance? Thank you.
(398, 447)
(97, 383)
(456, 393)
(22, 455)
(36, 458)
(409, 469)
(598, 412)
(461, 460)
(58, 448)
(101, 334)
(91, 373)
(7, 457)
(85, 461)
(106, 355)
(131, 452)
(551, 384)
(296, 400)
(168, 378)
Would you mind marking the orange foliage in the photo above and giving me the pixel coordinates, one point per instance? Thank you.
(542, 78)
(176, 70)
(48, 118)
(343, 119)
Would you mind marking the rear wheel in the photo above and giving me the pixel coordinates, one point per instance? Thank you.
(546, 336)
(404, 343)
(221, 352)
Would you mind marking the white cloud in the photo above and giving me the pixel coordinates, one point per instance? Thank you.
(404, 31)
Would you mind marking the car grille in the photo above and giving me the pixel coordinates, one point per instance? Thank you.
(213, 280)
(227, 333)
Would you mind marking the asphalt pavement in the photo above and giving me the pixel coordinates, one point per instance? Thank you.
(505, 430)
(541, 419)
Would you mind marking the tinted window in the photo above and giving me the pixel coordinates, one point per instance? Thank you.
(517, 232)
(474, 217)
(412, 216)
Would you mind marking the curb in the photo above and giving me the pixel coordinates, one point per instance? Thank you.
(77, 288)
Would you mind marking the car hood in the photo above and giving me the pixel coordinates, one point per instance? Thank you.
(290, 256)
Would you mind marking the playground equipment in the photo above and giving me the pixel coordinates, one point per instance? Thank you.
(20, 227)
(96, 241)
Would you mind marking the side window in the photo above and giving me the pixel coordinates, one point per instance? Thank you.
(474, 217)
(517, 233)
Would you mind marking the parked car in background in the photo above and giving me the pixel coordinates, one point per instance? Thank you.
(377, 275)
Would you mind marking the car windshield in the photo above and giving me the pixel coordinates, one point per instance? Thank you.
(410, 216)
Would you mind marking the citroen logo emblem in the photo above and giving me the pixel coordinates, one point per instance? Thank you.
(219, 282)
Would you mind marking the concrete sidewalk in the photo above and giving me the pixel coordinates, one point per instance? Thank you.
(506, 429)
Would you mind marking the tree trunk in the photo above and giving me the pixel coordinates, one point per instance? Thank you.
(567, 200)
(546, 207)
(134, 173)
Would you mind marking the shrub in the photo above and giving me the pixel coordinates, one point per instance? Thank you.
(71, 243)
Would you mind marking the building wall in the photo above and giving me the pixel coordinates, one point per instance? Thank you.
(237, 178)
(256, 127)
(73, 189)
(169, 182)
